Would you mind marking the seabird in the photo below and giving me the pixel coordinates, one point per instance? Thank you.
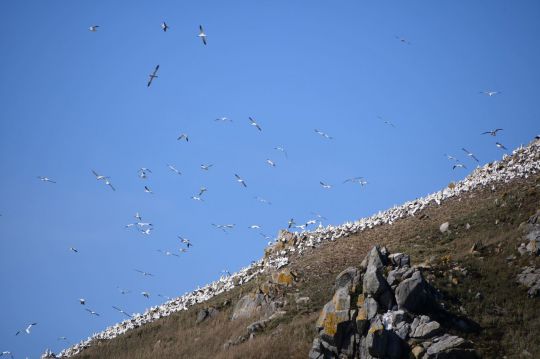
(123, 291)
(27, 330)
(386, 121)
(93, 28)
(146, 274)
(206, 167)
(402, 40)
(121, 311)
(172, 168)
(202, 190)
(325, 185)
(152, 76)
(106, 179)
(223, 119)
(323, 134)
(46, 179)
(253, 123)
(197, 198)
(73, 249)
(82, 301)
(148, 190)
(271, 163)
(164, 26)
(143, 172)
(138, 217)
(458, 165)
(492, 133)
(282, 149)
(146, 294)
(470, 154)
(360, 180)
(186, 241)
(291, 223)
(500, 145)
(262, 200)
(489, 93)
(183, 136)
(92, 312)
(255, 226)
(202, 35)
(240, 180)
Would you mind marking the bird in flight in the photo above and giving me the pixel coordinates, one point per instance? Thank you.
(138, 217)
(262, 200)
(146, 274)
(183, 136)
(223, 227)
(325, 185)
(197, 198)
(291, 223)
(167, 253)
(458, 165)
(123, 291)
(492, 133)
(6, 353)
(27, 330)
(240, 180)
(325, 135)
(121, 311)
(386, 121)
(73, 249)
(185, 241)
(46, 179)
(271, 163)
(202, 35)
(500, 145)
(93, 28)
(152, 76)
(172, 168)
(143, 172)
(92, 312)
(148, 190)
(254, 226)
(146, 295)
(82, 301)
(490, 93)
(202, 190)
(282, 149)
(223, 119)
(360, 180)
(206, 167)
(255, 124)
(103, 178)
(164, 26)
(451, 158)
(470, 154)
(403, 40)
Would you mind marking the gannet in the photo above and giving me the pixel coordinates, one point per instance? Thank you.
(46, 179)
(152, 76)
(202, 35)
(240, 180)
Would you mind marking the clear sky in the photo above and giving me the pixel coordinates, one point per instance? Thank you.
(74, 100)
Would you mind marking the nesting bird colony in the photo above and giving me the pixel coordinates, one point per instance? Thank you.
(522, 163)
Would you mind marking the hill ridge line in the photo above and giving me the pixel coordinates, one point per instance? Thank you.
(523, 162)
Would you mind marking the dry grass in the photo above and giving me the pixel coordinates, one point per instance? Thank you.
(509, 319)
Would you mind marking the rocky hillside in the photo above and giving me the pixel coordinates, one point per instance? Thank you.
(463, 279)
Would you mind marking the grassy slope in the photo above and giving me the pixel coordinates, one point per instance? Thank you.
(509, 319)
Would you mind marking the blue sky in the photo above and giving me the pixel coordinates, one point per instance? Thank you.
(73, 100)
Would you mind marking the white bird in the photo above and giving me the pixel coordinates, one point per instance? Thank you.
(27, 330)
(325, 135)
(255, 226)
(386, 121)
(271, 163)
(164, 26)
(185, 241)
(291, 223)
(500, 145)
(146, 274)
(172, 168)
(360, 180)
(92, 312)
(490, 93)
(202, 190)
(138, 216)
(402, 40)
(202, 35)
(206, 167)
(492, 132)
(146, 294)
(451, 158)
(167, 253)
(93, 28)
(152, 76)
(146, 231)
(82, 301)
(311, 221)
(183, 250)
(148, 190)
(143, 172)
(6, 353)
(183, 136)
(106, 179)
(325, 185)
(262, 200)
(240, 180)
(255, 124)
(123, 291)
(197, 198)
(281, 149)
(46, 179)
(73, 249)
(223, 119)
(470, 154)
(121, 311)
(223, 227)
(458, 165)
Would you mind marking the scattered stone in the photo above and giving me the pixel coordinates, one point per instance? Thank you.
(444, 227)
(400, 260)
(423, 328)
(349, 278)
(450, 346)
(530, 278)
(206, 313)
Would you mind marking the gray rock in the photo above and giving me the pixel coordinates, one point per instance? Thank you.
(375, 284)
(374, 258)
(382, 343)
(416, 295)
(399, 260)
(257, 327)
(423, 327)
(253, 304)
(530, 278)
(372, 307)
(397, 275)
(450, 347)
(444, 227)
(349, 278)
(206, 313)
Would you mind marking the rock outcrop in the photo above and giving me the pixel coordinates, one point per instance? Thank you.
(381, 322)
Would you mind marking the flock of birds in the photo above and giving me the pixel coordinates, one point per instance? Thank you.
(143, 173)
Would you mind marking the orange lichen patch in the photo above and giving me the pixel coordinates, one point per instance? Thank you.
(360, 301)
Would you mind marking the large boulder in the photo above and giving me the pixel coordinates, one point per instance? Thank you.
(375, 284)
(349, 278)
(423, 327)
(450, 347)
(416, 295)
(382, 343)
(253, 304)
(530, 277)
(206, 313)
(374, 258)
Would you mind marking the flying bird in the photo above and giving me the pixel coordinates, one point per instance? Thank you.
(146, 294)
(121, 311)
(93, 28)
(197, 198)
(202, 190)
(92, 312)
(172, 168)
(206, 167)
(146, 274)
(143, 172)
(271, 163)
(46, 179)
(138, 217)
(281, 149)
(152, 76)
(325, 135)
(500, 145)
(325, 185)
(470, 154)
(254, 226)
(106, 179)
(262, 200)
(493, 132)
(202, 35)
(82, 301)
(360, 180)
(451, 158)
(123, 291)
(402, 40)
(458, 165)
(223, 227)
(27, 330)
(185, 241)
(183, 136)
(255, 124)
(164, 26)
(223, 119)
(386, 121)
(148, 190)
(489, 93)
(73, 249)
(240, 180)
(291, 223)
